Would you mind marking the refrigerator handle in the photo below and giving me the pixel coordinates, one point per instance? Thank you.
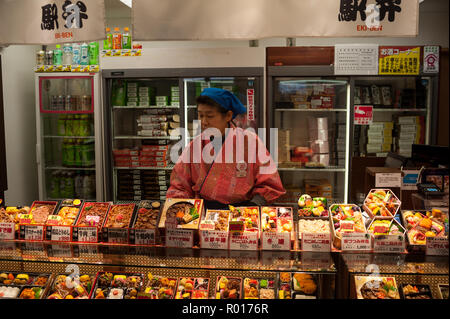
(38, 154)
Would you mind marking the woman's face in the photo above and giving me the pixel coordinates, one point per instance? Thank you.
(210, 117)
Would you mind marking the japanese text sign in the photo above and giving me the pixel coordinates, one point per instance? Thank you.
(51, 21)
(399, 60)
(356, 241)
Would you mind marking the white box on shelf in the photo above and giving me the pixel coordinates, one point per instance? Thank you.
(409, 120)
(317, 123)
(321, 135)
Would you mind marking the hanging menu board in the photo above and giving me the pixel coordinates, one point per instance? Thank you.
(399, 60)
(354, 59)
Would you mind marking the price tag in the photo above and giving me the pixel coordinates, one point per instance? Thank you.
(7, 231)
(25, 218)
(87, 234)
(316, 242)
(181, 238)
(53, 220)
(33, 232)
(275, 241)
(214, 239)
(117, 235)
(388, 180)
(356, 241)
(236, 226)
(437, 246)
(144, 236)
(61, 233)
(244, 241)
(389, 244)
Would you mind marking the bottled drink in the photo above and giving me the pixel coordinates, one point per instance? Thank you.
(88, 153)
(92, 185)
(40, 57)
(69, 125)
(76, 54)
(126, 39)
(61, 125)
(86, 187)
(84, 60)
(117, 39)
(70, 153)
(78, 161)
(76, 125)
(54, 184)
(64, 153)
(62, 185)
(107, 43)
(67, 54)
(49, 57)
(84, 125)
(79, 184)
(57, 55)
(93, 53)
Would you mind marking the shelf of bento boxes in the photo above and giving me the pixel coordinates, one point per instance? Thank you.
(67, 68)
(121, 52)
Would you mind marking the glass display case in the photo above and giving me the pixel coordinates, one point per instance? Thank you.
(312, 115)
(402, 113)
(68, 146)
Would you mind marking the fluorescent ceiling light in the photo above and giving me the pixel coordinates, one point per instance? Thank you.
(126, 2)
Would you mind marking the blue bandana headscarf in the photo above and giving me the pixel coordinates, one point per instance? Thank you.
(225, 99)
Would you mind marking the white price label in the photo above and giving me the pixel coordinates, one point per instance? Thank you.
(182, 238)
(244, 241)
(437, 246)
(214, 239)
(35, 232)
(61, 233)
(316, 242)
(356, 241)
(144, 236)
(87, 234)
(388, 180)
(7, 231)
(117, 236)
(389, 244)
(275, 241)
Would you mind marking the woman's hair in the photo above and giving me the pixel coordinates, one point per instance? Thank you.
(202, 99)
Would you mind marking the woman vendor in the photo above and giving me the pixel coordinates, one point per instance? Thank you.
(225, 164)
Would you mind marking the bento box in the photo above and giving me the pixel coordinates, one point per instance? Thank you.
(192, 288)
(118, 223)
(228, 287)
(32, 225)
(345, 218)
(375, 287)
(244, 228)
(67, 286)
(381, 203)
(160, 287)
(144, 230)
(310, 207)
(186, 213)
(92, 217)
(284, 286)
(277, 228)
(420, 225)
(117, 285)
(415, 291)
(214, 228)
(258, 288)
(27, 285)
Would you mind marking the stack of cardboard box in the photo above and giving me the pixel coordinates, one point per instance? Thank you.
(411, 130)
(379, 137)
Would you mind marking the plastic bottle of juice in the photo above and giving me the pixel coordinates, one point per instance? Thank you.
(69, 125)
(84, 60)
(76, 54)
(70, 185)
(107, 43)
(117, 39)
(67, 54)
(57, 55)
(126, 39)
(93, 53)
(61, 125)
(78, 162)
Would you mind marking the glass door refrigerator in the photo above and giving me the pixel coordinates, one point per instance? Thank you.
(149, 113)
(69, 136)
(311, 109)
(245, 83)
(143, 117)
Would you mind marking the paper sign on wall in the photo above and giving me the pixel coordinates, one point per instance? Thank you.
(399, 60)
(431, 59)
(363, 115)
(388, 180)
(351, 59)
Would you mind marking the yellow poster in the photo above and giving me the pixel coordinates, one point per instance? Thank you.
(399, 60)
